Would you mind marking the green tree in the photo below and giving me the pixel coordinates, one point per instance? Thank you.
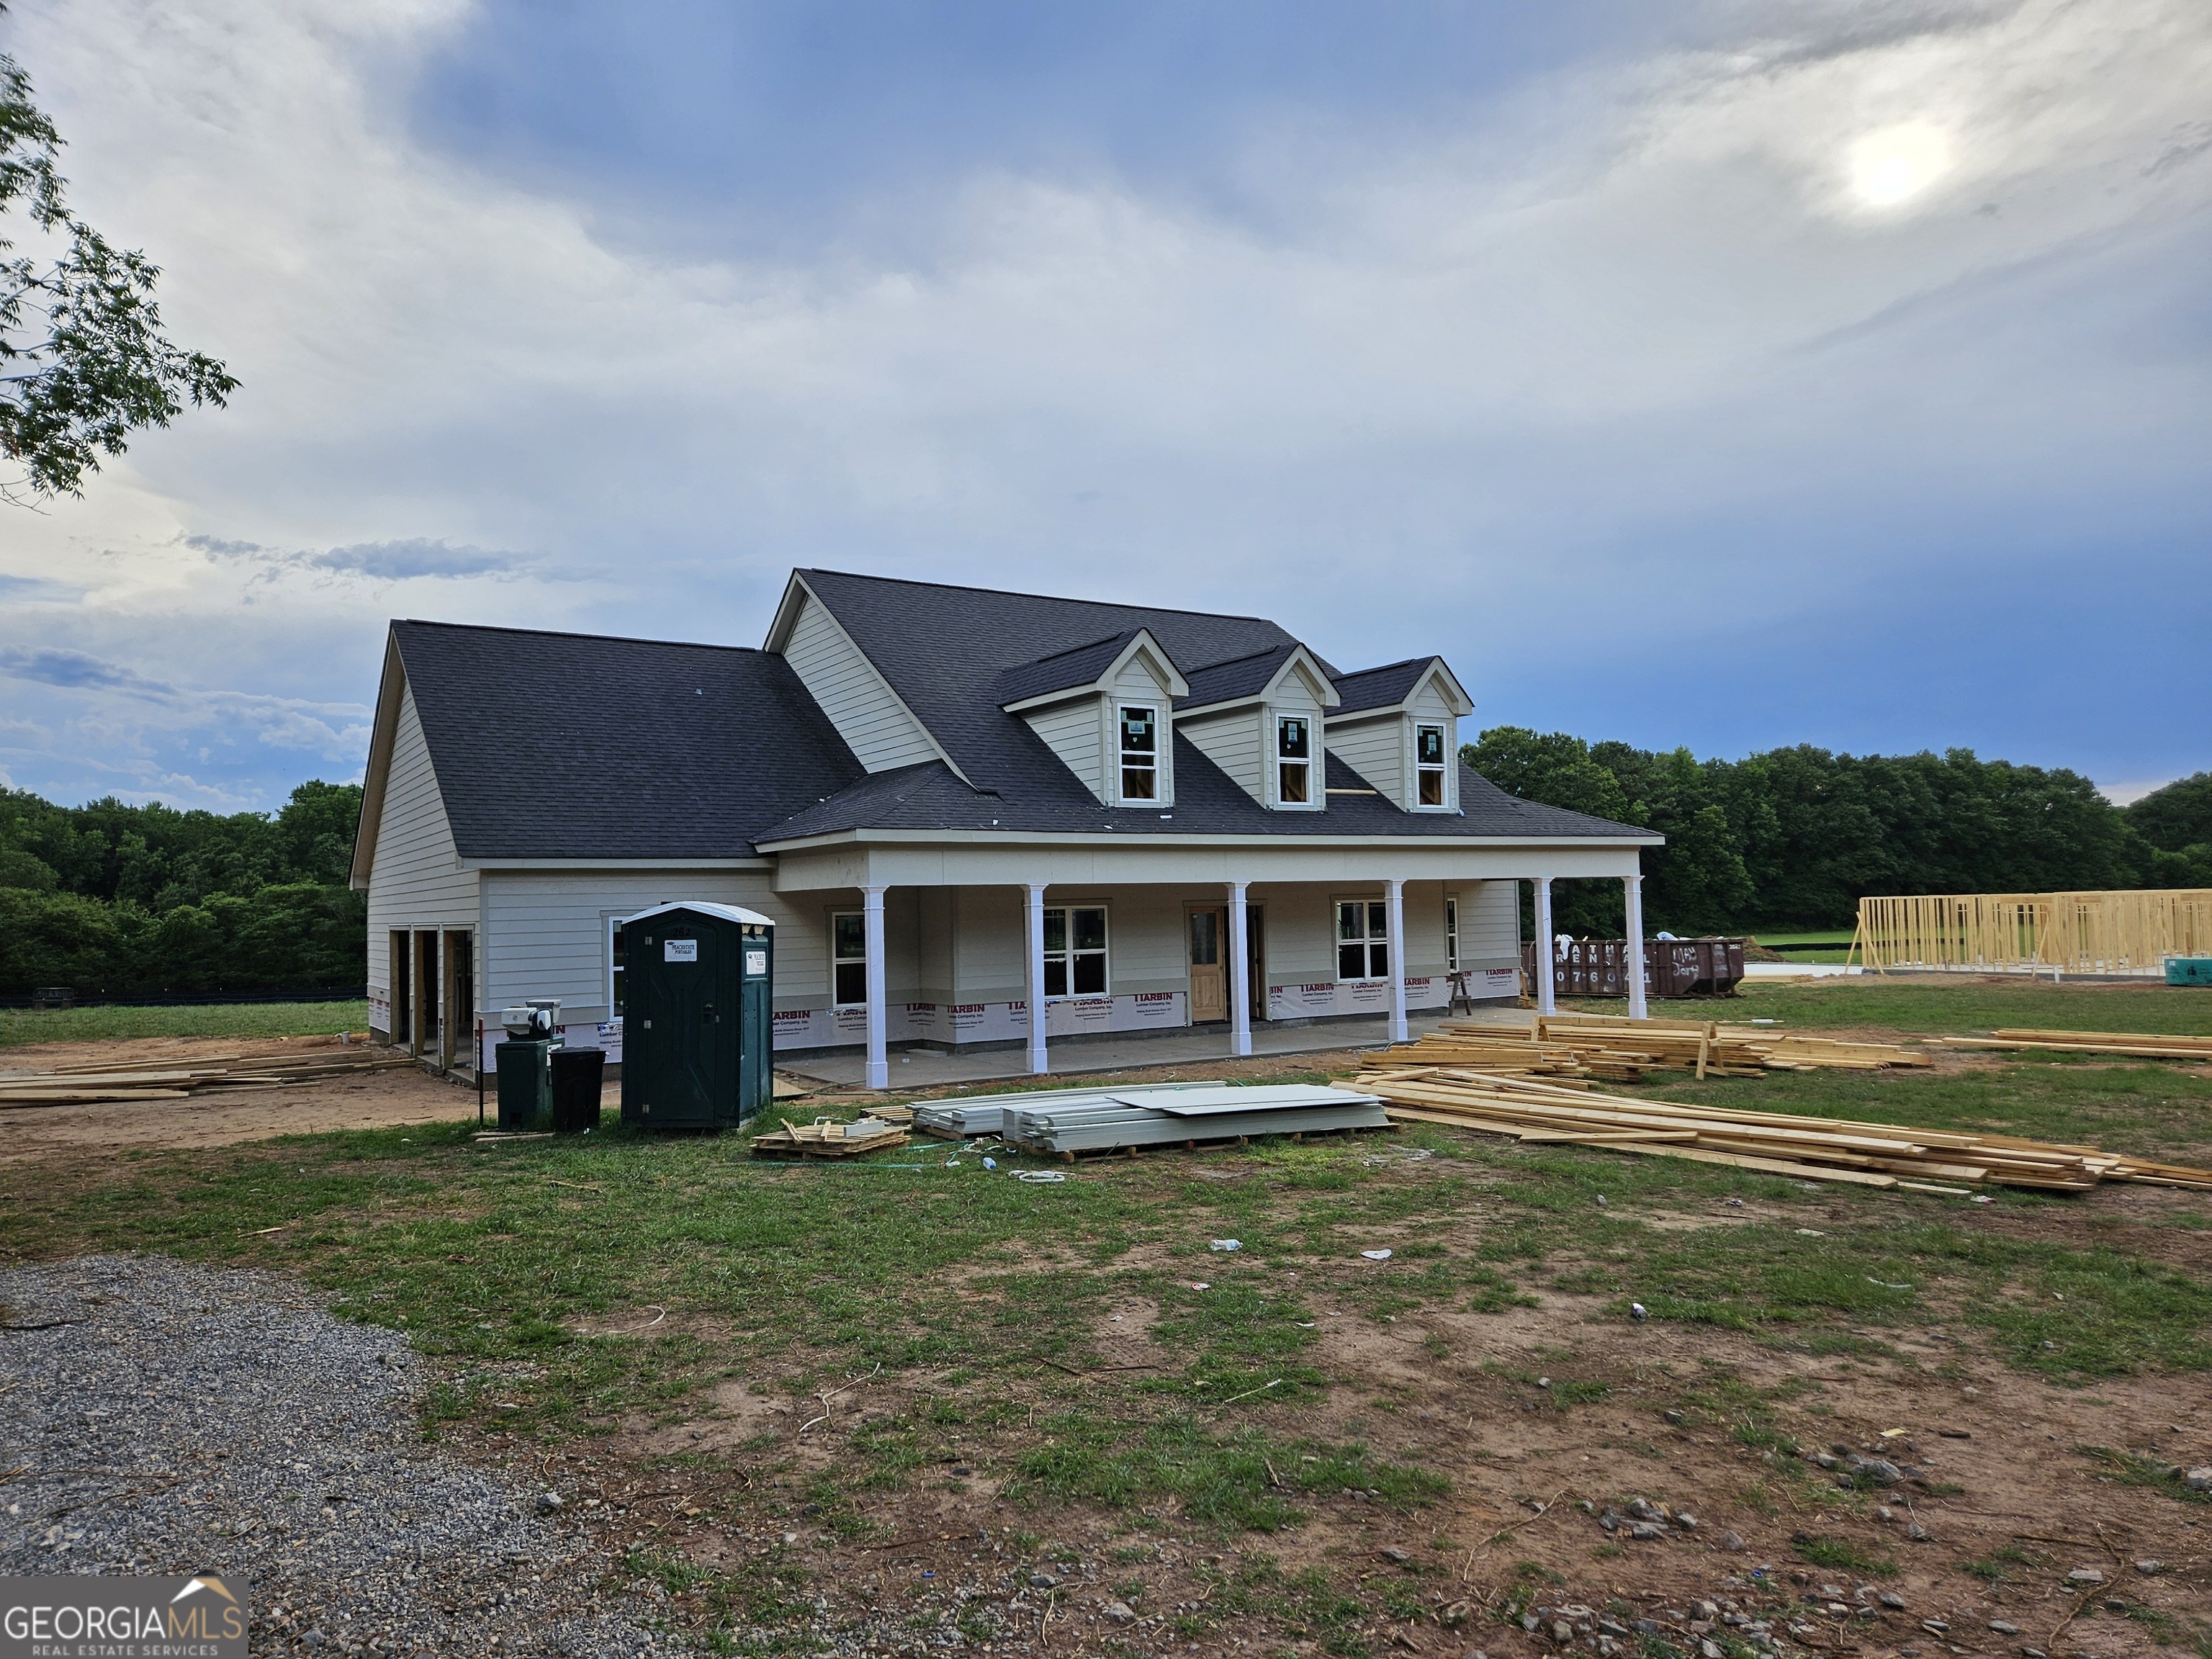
(84, 362)
(2178, 817)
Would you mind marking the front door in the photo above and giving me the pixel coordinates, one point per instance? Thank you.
(1209, 982)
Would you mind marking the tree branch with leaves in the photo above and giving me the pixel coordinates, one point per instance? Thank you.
(84, 362)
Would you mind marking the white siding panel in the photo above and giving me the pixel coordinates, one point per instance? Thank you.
(1376, 749)
(879, 729)
(416, 880)
(1301, 942)
(1490, 924)
(1231, 742)
(1076, 732)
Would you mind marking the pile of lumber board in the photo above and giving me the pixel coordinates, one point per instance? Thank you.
(2140, 1045)
(1814, 1149)
(1613, 1049)
(97, 1083)
(825, 1139)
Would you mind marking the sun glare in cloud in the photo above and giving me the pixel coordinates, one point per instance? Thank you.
(1894, 164)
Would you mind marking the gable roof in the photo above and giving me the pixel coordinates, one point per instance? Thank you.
(576, 746)
(944, 650)
(1250, 677)
(1085, 667)
(1391, 684)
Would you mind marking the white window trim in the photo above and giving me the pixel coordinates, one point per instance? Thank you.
(1317, 761)
(612, 921)
(1336, 940)
(1451, 933)
(1413, 803)
(1163, 793)
(1068, 954)
(861, 916)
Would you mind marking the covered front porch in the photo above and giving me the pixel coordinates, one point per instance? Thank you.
(1202, 973)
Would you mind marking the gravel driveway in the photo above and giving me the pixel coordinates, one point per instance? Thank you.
(171, 1419)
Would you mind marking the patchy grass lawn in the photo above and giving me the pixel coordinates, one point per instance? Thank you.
(20, 1026)
(801, 1380)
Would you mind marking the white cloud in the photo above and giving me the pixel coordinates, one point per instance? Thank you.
(1493, 359)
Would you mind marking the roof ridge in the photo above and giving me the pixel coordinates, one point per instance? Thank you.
(1050, 599)
(1380, 667)
(574, 634)
(1088, 644)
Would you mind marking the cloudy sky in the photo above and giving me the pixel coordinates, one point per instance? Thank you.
(1725, 375)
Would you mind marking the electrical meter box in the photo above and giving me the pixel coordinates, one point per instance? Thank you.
(697, 1016)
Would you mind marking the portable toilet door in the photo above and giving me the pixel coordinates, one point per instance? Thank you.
(686, 1007)
(757, 1018)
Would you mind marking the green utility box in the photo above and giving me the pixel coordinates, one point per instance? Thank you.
(2189, 971)
(697, 1016)
(526, 1082)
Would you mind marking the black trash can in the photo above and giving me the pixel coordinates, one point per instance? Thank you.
(578, 1075)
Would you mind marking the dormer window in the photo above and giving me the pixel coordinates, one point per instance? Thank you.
(1428, 765)
(1141, 752)
(1293, 761)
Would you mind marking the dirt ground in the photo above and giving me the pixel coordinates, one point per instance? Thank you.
(218, 1117)
(1997, 1504)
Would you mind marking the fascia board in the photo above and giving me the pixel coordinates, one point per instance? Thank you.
(796, 592)
(618, 863)
(1330, 697)
(390, 687)
(1078, 838)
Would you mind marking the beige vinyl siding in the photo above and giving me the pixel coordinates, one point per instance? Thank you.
(547, 932)
(990, 946)
(1075, 731)
(935, 979)
(1301, 938)
(414, 880)
(1376, 748)
(882, 733)
(1489, 924)
(1231, 742)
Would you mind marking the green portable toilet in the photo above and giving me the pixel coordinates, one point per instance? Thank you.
(696, 1016)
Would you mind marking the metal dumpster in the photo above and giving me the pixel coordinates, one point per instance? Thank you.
(697, 1016)
(1672, 967)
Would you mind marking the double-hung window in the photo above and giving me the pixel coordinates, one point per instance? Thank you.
(1363, 939)
(848, 959)
(1075, 952)
(1451, 934)
(1428, 765)
(614, 965)
(1141, 752)
(1293, 761)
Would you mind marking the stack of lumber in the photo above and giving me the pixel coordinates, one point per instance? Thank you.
(1615, 1049)
(96, 1083)
(985, 1114)
(2134, 1044)
(825, 1139)
(1810, 1148)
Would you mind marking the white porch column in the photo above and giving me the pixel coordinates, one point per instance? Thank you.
(1547, 1001)
(871, 912)
(1395, 911)
(1637, 1007)
(1240, 974)
(1035, 956)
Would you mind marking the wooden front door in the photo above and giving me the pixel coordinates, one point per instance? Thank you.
(1209, 982)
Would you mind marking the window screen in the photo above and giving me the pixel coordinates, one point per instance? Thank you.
(1140, 777)
(1293, 761)
(848, 958)
(1363, 939)
(1075, 952)
(1429, 763)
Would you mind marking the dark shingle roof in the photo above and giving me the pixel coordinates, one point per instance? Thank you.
(570, 746)
(1063, 669)
(1379, 688)
(1243, 676)
(950, 652)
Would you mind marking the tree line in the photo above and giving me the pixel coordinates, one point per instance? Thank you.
(1793, 838)
(115, 900)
